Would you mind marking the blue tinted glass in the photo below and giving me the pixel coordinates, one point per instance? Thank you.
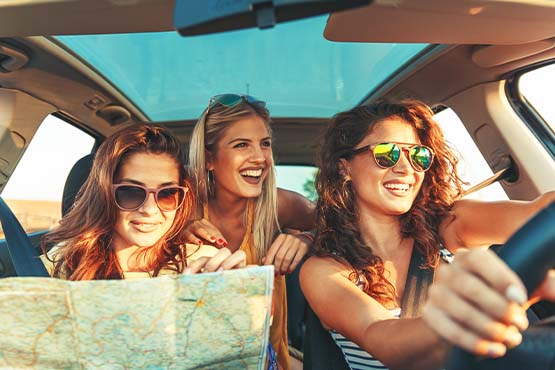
(291, 67)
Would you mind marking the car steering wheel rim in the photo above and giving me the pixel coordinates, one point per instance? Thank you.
(530, 253)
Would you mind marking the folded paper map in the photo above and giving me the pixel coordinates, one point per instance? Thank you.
(203, 321)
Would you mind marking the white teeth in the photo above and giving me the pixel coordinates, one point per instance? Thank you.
(145, 224)
(402, 187)
(145, 227)
(252, 173)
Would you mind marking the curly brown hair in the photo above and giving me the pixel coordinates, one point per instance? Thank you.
(84, 236)
(337, 220)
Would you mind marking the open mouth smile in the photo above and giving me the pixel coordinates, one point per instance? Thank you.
(398, 187)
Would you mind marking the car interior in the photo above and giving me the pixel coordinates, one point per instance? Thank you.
(469, 57)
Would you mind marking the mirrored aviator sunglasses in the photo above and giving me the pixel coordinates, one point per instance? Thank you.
(387, 155)
(131, 197)
(231, 100)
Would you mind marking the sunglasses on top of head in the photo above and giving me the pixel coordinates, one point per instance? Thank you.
(231, 100)
(130, 197)
(387, 155)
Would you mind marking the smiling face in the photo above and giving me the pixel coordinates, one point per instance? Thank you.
(242, 159)
(148, 224)
(385, 191)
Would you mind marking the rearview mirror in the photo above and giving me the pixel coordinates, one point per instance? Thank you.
(210, 16)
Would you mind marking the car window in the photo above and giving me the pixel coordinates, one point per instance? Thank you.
(297, 178)
(472, 166)
(34, 191)
(535, 86)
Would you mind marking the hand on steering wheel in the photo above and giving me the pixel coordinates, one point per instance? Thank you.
(530, 253)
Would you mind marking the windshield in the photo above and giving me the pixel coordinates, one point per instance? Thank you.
(292, 67)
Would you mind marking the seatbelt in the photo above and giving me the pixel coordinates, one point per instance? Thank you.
(416, 286)
(507, 172)
(25, 261)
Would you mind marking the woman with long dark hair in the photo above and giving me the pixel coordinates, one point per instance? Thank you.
(129, 217)
(387, 189)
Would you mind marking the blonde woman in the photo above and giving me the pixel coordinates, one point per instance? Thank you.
(240, 206)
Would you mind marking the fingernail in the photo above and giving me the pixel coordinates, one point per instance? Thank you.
(221, 241)
(199, 242)
(225, 244)
(519, 320)
(516, 294)
(186, 271)
(213, 238)
(513, 337)
(220, 269)
(496, 350)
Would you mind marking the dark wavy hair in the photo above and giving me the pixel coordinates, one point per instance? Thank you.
(337, 220)
(84, 236)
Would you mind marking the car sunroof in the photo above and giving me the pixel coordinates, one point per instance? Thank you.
(292, 67)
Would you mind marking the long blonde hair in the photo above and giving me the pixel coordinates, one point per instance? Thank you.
(208, 131)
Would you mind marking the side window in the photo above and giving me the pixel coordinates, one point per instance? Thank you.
(297, 178)
(34, 191)
(535, 87)
(472, 166)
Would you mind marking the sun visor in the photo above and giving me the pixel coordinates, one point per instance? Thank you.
(445, 22)
(80, 17)
(193, 18)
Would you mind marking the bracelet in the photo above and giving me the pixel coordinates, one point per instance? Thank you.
(308, 235)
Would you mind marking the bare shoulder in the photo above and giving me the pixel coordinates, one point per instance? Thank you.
(321, 277)
(288, 196)
(337, 301)
(315, 269)
(294, 210)
(315, 263)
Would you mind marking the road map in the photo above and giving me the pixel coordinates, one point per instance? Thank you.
(204, 321)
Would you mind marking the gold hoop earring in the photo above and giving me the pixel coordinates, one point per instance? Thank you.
(210, 181)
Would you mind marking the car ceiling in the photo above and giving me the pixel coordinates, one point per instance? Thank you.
(438, 74)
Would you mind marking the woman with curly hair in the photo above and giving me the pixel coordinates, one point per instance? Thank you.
(129, 217)
(387, 189)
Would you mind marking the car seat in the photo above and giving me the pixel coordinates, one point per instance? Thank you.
(75, 179)
(320, 351)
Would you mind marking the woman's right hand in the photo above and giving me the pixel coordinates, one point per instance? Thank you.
(222, 260)
(478, 303)
(204, 232)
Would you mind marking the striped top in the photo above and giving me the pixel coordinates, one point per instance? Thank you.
(356, 357)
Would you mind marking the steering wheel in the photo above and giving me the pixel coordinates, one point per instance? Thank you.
(22, 252)
(530, 252)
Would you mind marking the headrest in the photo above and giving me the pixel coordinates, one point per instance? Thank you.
(75, 179)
